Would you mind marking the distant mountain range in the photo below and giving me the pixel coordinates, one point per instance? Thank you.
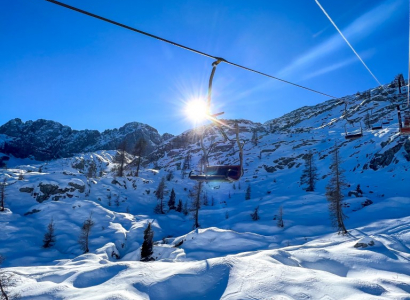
(45, 140)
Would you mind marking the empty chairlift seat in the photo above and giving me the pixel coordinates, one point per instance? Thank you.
(352, 135)
(219, 173)
(404, 127)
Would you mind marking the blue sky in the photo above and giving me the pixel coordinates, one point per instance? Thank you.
(61, 65)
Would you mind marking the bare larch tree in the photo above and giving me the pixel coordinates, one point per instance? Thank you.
(7, 280)
(139, 151)
(196, 202)
(334, 192)
(309, 174)
(85, 233)
(280, 217)
(121, 158)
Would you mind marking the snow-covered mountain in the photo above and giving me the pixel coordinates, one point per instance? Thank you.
(45, 140)
(230, 256)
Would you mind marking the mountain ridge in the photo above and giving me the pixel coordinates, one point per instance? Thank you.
(47, 139)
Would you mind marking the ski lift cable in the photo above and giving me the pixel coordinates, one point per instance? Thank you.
(184, 47)
(351, 47)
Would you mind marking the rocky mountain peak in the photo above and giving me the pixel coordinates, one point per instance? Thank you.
(46, 139)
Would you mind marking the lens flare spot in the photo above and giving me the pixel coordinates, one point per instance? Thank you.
(196, 110)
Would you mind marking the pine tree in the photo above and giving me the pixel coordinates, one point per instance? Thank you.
(49, 237)
(255, 214)
(334, 192)
(171, 202)
(148, 244)
(139, 150)
(248, 192)
(85, 234)
(179, 207)
(3, 193)
(159, 193)
(309, 174)
(280, 217)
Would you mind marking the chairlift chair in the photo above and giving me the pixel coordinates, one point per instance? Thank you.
(219, 173)
(377, 127)
(404, 127)
(353, 134)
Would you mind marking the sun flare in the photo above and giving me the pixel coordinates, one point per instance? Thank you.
(196, 110)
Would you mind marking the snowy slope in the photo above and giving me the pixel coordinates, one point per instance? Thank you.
(230, 256)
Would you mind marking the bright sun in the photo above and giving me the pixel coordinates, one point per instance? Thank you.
(196, 110)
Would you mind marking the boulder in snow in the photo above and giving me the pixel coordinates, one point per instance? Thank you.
(364, 242)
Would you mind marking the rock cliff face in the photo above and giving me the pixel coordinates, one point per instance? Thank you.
(45, 140)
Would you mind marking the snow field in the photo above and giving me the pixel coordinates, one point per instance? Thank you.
(230, 256)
